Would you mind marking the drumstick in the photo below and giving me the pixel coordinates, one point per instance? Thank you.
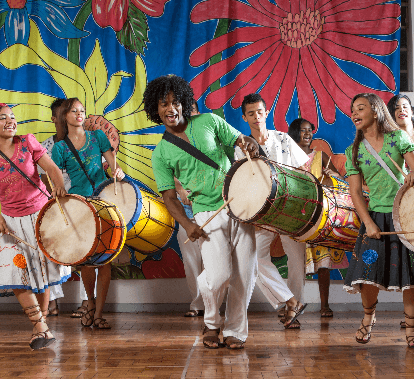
(248, 156)
(22, 241)
(57, 200)
(398, 167)
(329, 161)
(214, 215)
(114, 174)
(390, 233)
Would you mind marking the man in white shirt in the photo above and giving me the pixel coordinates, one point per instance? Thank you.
(278, 147)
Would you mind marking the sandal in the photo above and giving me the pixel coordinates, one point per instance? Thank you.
(281, 313)
(87, 318)
(363, 329)
(233, 343)
(40, 339)
(297, 310)
(293, 325)
(79, 312)
(101, 324)
(194, 313)
(326, 312)
(409, 339)
(402, 324)
(53, 312)
(211, 337)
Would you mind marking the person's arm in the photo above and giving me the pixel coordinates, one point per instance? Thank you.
(329, 169)
(116, 171)
(250, 145)
(46, 163)
(177, 212)
(409, 158)
(3, 226)
(181, 192)
(355, 188)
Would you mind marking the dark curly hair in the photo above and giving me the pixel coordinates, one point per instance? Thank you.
(159, 88)
(251, 98)
(294, 128)
(392, 105)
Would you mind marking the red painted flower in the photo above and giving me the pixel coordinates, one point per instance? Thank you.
(295, 42)
(114, 13)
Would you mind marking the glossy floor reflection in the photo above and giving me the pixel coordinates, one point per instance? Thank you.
(161, 346)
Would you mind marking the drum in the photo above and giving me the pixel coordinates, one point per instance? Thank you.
(338, 224)
(94, 237)
(149, 224)
(277, 197)
(402, 215)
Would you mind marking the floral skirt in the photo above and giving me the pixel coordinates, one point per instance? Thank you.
(324, 257)
(22, 267)
(385, 263)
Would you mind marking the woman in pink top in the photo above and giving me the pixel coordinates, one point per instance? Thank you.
(24, 270)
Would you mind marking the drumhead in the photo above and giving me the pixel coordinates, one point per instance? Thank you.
(402, 215)
(68, 244)
(125, 199)
(249, 192)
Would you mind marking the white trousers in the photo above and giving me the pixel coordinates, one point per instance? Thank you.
(56, 292)
(229, 258)
(296, 252)
(193, 265)
(269, 280)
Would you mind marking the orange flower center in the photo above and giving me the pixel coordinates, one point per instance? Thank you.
(301, 29)
(16, 4)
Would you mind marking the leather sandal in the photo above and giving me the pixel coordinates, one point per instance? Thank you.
(326, 312)
(363, 329)
(409, 339)
(194, 313)
(233, 343)
(79, 312)
(101, 323)
(211, 336)
(53, 312)
(39, 340)
(87, 318)
(298, 310)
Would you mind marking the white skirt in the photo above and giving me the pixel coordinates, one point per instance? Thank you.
(21, 267)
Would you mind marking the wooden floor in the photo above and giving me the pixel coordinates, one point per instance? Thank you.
(149, 345)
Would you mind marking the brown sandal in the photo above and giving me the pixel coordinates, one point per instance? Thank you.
(298, 310)
(211, 336)
(101, 323)
(87, 318)
(40, 340)
(79, 312)
(326, 312)
(409, 339)
(363, 329)
(233, 343)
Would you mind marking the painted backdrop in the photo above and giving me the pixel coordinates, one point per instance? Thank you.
(305, 57)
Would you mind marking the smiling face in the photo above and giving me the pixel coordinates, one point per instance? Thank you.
(76, 115)
(256, 115)
(8, 124)
(306, 134)
(363, 116)
(170, 111)
(403, 113)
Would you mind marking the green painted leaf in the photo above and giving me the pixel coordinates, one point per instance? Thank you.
(134, 34)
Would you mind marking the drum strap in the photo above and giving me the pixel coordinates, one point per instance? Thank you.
(380, 161)
(23, 174)
(190, 149)
(76, 155)
(261, 151)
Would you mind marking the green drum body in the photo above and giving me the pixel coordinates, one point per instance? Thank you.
(273, 196)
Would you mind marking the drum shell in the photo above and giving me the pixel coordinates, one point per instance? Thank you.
(107, 241)
(150, 226)
(294, 201)
(402, 215)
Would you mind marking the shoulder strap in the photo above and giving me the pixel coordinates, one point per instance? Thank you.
(76, 155)
(23, 174)
(380, 161)
(261, 151)
(190, 149)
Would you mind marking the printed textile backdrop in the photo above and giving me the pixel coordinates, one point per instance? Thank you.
(305, 57)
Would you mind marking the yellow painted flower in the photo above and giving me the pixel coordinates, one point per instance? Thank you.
(91, 86)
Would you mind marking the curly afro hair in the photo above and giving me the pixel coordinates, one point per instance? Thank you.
(159, 88)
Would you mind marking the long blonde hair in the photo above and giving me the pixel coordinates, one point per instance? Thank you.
(385, 122)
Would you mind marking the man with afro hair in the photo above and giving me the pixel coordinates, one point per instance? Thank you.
(227, 246)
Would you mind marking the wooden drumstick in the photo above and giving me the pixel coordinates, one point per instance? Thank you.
(329, 161)
(57, 200)
(248, 156)
(114, 174)
(214, 215)
(391, 233)
(22, 241)
(398, 167)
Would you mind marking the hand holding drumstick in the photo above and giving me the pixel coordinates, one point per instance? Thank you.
(5, 230)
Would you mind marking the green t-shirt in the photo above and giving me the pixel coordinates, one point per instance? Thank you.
(382, 187)
(208, 133)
